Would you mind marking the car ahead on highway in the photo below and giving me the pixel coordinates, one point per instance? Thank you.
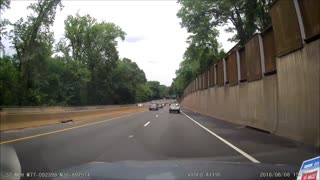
(160, 105)
(175, 107)
(139, 104)
(153, 106)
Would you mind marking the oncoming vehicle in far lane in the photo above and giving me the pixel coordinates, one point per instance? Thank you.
(174, 107)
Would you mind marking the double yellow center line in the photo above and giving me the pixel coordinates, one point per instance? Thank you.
(67, 129)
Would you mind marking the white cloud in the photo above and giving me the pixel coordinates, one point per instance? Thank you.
(155, 40)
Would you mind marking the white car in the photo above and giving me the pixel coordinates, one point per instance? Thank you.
(139, 104)
(174, 107)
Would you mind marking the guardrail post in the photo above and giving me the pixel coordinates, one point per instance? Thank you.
(215, 74)
(224, 71)
(263, 68)
(208, 78)
(238, 66)
(300, 21)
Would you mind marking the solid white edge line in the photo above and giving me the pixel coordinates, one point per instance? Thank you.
(146, 124)
(223, 140)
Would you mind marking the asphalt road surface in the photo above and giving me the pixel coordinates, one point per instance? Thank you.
(147, 136)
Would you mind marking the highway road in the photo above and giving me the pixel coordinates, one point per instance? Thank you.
(148, 136)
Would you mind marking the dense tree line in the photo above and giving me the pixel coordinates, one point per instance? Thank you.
(201, 19)
(83, 68)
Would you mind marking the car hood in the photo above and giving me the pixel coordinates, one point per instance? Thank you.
(178, 169)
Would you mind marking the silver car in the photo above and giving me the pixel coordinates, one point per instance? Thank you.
(153, 106)
(175, 107)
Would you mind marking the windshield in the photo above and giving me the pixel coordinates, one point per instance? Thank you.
(188, 89)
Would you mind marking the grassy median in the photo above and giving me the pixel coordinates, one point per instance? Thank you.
(12, 121)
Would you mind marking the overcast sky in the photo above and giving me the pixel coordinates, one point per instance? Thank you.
(155, 39)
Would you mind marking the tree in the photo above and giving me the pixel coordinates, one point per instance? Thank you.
(32, 40)
(158, 91)
(4, 4)
(3, 33)
(203, 44)
(65, 82)
(83, 68)
(77, 36)
(127, 80)
(164, 91)
(93, 44)
(154, 87)
(143, 93)
(9, 81)
(246, 16)
(201, 18)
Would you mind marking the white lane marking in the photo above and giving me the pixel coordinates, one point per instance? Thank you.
(131, 136)
(157, 115)
(146, 124)
(225, 141)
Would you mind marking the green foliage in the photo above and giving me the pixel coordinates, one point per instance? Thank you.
(83, 68)
(155, 89)
(201, 18)
(143, 93)
(93, 45)
(246, 16)
(128, 79)
(3, 33)
(92, 42)
(32, 40)
(4, 4)
(203, 44)
(64, 83)
(9, 81)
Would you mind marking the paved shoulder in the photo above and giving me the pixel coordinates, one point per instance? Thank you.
(263, 146)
